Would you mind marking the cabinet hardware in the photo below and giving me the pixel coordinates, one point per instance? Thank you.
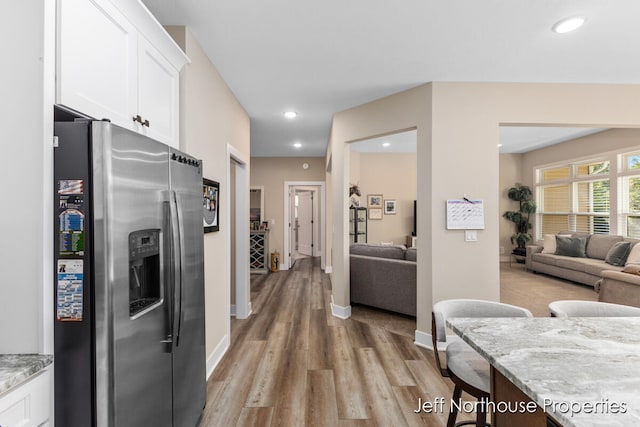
(138, 118)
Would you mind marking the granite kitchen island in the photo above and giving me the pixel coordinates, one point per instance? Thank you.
(579, 371)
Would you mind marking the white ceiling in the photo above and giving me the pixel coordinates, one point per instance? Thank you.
(402, 142)
(521, 139)
(318, 58)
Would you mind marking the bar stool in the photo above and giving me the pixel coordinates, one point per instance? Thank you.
(468, 370)
(578, 308)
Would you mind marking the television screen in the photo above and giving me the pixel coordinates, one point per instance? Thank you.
(415, 210)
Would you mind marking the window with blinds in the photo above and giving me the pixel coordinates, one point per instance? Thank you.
(575, 197)
(630, 192)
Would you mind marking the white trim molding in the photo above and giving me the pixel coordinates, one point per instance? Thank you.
(216, 355)
(339, 311)
(328, 269)
(424, 340)
(243, 293)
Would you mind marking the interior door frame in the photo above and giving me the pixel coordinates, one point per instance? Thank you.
(241, 253)
(285, 261)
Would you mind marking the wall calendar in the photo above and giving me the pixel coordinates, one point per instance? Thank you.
(465, 214)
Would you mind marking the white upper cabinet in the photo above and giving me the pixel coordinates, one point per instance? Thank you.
(108, 68)
(158, 87)
(96, 61)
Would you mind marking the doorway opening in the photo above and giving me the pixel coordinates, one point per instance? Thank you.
(304, 221)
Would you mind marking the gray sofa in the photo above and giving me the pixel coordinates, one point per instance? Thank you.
(587, 270)
(383, 277)
(620, 288)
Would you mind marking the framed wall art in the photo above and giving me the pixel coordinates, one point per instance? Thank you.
(210, 205)
(375, 213)
(374, 201)
(389, 207)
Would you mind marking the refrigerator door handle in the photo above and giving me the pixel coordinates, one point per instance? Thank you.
(167, 269)
(176, 222)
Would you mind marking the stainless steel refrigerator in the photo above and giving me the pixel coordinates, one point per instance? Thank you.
(129, 280)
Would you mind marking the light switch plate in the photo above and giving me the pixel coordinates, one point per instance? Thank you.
(470, 235)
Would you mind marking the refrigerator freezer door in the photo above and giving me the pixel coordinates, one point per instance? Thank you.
(189, 364)
(131, 195)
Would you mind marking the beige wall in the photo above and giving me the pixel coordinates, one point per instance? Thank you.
(403, 111)
(394, 176)
(210, 118)
(458, 133)
(613, 140)
(272, 172)
(590, 145)
(510, 173)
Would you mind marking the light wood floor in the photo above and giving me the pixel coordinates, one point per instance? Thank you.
(293, 364)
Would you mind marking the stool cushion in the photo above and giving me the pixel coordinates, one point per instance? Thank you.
(465, 363)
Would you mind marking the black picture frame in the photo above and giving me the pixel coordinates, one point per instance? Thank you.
(210, 205)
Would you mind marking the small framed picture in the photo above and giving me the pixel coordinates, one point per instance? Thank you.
(389, 207)
(210, 205)
(375, 213)
(374, 200)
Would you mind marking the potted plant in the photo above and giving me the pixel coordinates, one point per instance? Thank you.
(521, 218)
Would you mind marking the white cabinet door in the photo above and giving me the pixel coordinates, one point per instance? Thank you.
(97, 63)
(27, 405)
(158, 86)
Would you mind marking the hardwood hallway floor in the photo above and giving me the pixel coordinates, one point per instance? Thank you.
(293, 364)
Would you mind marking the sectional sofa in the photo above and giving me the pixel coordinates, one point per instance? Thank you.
(383, 276)
(586, 269)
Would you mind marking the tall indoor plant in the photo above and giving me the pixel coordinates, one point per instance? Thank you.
(521, 218)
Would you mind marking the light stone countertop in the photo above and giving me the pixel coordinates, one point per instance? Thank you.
(559, 362)
(17, 368)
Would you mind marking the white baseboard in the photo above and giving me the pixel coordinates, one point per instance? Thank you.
(339, 311)
(328, 269)
(233, 311)
(216, 355)
(424, 340)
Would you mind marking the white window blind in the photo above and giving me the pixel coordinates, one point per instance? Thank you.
(570, 199)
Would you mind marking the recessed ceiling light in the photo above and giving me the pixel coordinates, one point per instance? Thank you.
(386, 144)
(290, 114)
(569, 24)
(499, 145)
(297, 145)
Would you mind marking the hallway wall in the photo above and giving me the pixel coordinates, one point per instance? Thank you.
(210, 118)
(272, 172)
(457, 127)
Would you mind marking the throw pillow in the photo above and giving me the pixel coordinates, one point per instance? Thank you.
(549, 244)
(632, 269)
(618, 253)
(634, 255)
(571, 246)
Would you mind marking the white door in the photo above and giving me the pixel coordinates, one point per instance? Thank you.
(305, 223)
